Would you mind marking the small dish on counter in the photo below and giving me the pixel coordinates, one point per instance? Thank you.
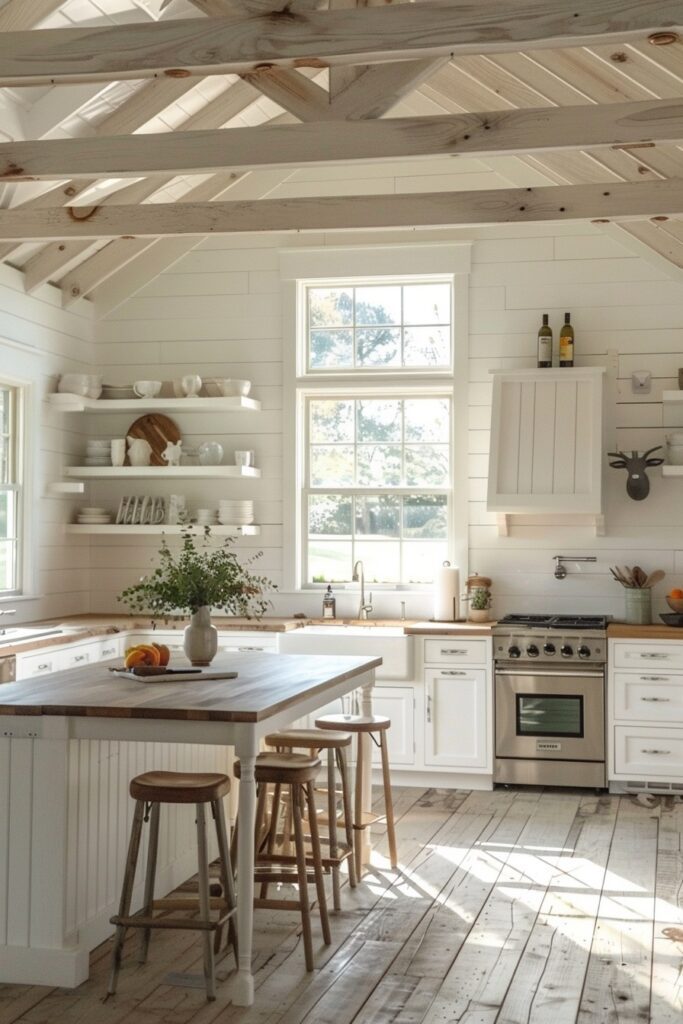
(672, 618)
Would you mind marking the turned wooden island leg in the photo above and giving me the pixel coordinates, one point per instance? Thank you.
(246, 749)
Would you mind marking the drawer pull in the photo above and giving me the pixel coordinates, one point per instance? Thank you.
(654, 679)
(452, 672)
(248, 648)
(453, 650)
(653, 656)
(107, 651)
(656, 700)
(45, 666)
(81, 657)
(654, 750)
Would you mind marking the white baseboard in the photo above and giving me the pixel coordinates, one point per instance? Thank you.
(436, 780)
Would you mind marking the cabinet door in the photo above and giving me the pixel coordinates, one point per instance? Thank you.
(41, 664)
(456, 718)
(398, 704)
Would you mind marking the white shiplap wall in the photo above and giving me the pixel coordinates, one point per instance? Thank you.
(38, 341)
(217, 311)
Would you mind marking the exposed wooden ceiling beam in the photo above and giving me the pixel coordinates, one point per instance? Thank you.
(498, 133)
(324, 38)
(558, 203)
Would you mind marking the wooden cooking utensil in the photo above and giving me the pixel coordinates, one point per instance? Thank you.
(158, 430)
(654, 578)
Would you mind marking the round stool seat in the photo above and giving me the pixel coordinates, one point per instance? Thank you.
(179, 787)
(286, 768)
(354, 723)
(320, 739)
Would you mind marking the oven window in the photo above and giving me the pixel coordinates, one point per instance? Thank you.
(544, 714)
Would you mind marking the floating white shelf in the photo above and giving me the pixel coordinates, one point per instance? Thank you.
(75, 403)
(219, 530)
(675, 397)
(161, 472)
(65, 487)
(672, 470)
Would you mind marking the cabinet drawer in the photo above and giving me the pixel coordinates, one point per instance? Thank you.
(653, 655)
(452, 651)
(77, 656)
(648, 697)
(42, 664)
(246, 643)
(643, 752)
(107, 649)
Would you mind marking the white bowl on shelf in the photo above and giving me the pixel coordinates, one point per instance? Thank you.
(231, 388)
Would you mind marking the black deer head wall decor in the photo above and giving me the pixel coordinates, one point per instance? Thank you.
(637, 485)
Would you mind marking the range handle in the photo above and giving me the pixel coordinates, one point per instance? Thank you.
(555, 673)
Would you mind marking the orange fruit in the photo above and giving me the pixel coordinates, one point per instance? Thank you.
(142, 654)
(164, 654)
(134, 657)
(676, 594)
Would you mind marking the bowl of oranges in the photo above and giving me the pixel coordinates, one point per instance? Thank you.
(674, 599)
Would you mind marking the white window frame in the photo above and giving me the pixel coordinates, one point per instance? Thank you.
(19, 487)
(300, 268)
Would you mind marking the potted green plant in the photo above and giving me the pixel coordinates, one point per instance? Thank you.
(199, 577)
(480, 602)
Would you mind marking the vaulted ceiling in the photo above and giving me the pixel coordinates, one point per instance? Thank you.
(617, 71)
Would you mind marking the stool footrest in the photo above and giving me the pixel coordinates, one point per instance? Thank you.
(263, 904)
(140, 921)
(327, 862)
(280, 876)
(171, 903)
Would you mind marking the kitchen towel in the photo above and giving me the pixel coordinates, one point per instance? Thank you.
(446, 593)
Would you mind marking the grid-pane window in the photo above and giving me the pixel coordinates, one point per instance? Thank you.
(10, 489)
(395, 327)
(378, 479)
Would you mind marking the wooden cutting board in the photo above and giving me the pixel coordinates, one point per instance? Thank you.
(157, 430)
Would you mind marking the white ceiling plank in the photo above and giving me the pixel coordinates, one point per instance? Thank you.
(495, 133)
(647, 240)
(623, 200)
(324, 38)
(18, 15)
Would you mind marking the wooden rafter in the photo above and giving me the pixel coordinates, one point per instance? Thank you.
(558, 203)
(324, 38)
(498, 133)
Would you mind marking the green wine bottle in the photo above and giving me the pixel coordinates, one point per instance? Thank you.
(566, 343)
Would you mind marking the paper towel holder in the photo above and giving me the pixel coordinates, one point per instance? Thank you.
(446, 564)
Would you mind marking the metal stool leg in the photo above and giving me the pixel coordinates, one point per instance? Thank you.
(226, 875)
(126, 893)
(296, 800)
(204, 901)
(152, 851)
(388, 802)
(346, 803)
(318, 864)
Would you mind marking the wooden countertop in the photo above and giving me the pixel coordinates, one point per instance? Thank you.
(627, 631)
(266, 684)
(449, 628)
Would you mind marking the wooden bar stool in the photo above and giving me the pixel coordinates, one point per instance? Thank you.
(150, 790)
(362, 725)
(297, 772)
(335, 743)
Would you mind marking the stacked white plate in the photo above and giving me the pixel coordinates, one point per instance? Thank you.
(206, 517)
(118, 391)
(93, 515)
(237, 513)
(98, 452)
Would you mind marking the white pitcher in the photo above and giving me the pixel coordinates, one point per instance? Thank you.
(139, 451)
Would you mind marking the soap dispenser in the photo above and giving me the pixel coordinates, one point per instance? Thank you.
(329, 605)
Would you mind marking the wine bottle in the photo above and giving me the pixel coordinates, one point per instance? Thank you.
(545, 343)
(566, 343)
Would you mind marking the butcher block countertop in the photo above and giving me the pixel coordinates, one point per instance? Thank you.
(448, 628)
(626, 631)
(265, 685)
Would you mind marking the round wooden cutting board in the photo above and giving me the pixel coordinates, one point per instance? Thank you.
(158, 430)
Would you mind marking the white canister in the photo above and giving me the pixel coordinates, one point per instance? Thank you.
(176, 510)
(446, 593)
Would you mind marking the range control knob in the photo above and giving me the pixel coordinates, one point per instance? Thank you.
(514, 651)
(584, 651)
(549, 649)
(532, 651)
(566, 650)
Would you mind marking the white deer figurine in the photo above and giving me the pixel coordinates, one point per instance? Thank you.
(172, 452)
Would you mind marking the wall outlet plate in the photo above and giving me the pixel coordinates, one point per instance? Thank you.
(641, 382)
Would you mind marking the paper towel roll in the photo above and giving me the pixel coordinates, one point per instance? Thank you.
(446, 593)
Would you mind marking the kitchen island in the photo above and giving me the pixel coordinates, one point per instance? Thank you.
(69, 744)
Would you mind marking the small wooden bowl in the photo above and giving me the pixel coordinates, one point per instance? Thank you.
(675, 604)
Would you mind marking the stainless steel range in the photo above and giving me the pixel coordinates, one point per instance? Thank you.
(550, 700)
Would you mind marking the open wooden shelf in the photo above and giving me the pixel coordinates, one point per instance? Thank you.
(75, 403)
(116, 529)
(162, 472)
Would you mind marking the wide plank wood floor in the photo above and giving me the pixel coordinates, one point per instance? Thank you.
(511, 907)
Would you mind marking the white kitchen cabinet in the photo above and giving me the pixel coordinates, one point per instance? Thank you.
(456, 734)
(42, 663)
(546, 453)
(645, 715)
(398, 704)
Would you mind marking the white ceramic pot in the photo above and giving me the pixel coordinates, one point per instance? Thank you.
(139, 451)
(201, 638)
(478, 615)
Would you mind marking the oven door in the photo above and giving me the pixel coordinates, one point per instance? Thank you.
(550, 715)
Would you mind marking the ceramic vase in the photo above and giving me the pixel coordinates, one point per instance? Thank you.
(201, 638)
